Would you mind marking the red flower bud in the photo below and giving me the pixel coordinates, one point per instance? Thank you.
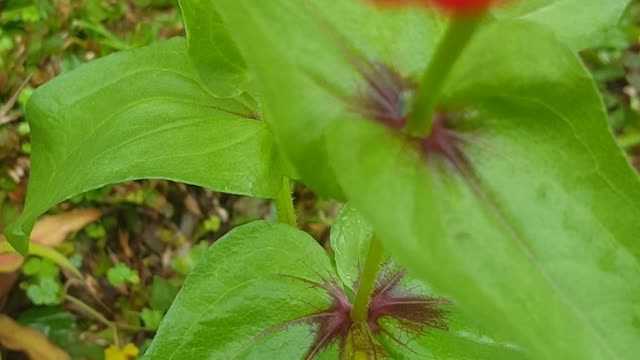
(452, 6)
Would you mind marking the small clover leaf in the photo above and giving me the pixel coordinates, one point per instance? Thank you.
(45, 291)
(38, 267)
(120, 274)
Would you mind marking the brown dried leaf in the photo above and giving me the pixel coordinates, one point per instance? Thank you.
(9, 104)
(6, 284)
(123, 238)
(19, 338)
(51, 230)
(192, 205)
(9, 262)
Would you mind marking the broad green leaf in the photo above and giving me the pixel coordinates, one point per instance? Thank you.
(311, 45)
(242, 301)
(579, 23)
(538, 239)
(544, 254)
(212, 50)
(303, 55)
(239, 290)
(142, 113)
(464, 340)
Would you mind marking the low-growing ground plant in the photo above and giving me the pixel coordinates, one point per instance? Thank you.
(489, 212)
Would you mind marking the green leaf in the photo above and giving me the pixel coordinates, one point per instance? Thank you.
(137, 114)
(95, 231)
(238, 291)
(121, 274)
(53, 256)
(464, 340)
(162, 294)
(151, 318)
(47, 254)
(307, 47)
(185, 263)
(39, 267)
(313, 43)
(507, 257)
(538, 239)
(578, 23)
(243, 300)
(212, 50)
(45, 291)
(350, 238)
(60, 327)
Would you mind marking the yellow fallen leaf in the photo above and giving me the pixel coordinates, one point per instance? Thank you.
(14, 336)
(128, 352)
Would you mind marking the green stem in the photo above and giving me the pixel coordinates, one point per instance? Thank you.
(455, 39)
(284, 205)
(88, 310)
(44, 252)
(359, 312)
(96, 315)
(114, 326)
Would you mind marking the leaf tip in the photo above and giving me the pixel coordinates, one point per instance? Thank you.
(17, 237)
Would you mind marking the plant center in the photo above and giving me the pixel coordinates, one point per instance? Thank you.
(386, 98)
(414, 314)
